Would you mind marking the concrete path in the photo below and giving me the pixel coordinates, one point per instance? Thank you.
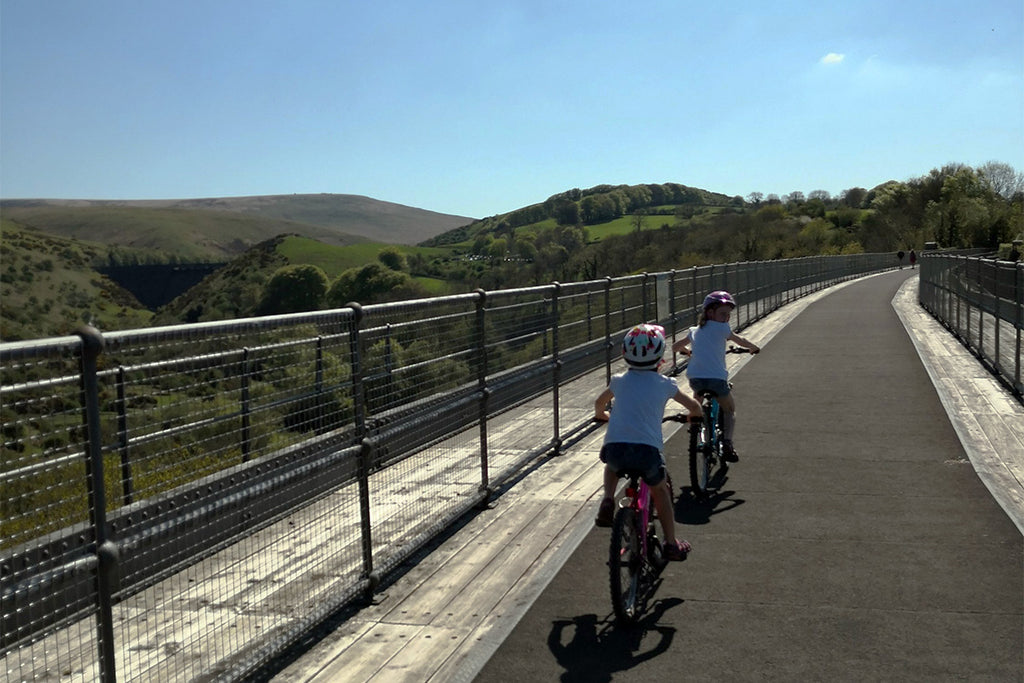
(858, 539)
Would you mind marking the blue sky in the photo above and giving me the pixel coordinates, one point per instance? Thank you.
(477, 108)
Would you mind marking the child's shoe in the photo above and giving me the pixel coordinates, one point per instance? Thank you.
(606, 513)
(729, 453)
(677, 552)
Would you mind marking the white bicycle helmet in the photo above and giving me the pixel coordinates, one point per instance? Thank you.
(643, 346)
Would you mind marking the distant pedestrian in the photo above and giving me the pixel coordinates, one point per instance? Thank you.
(899, 255)
(913, 258)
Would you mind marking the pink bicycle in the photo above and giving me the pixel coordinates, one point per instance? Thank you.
(635, 557)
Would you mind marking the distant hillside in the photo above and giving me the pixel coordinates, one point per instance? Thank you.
(48, 287)
(234, 290)
(218, 229)
(595, 206)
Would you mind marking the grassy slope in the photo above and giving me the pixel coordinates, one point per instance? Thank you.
(192, 235)
(48, 287)
(334, 260)
(219, 229)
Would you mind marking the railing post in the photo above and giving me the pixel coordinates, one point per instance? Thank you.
(481, 382)
(246, 404)
(366, 447)
(127, 485)
(389, 366)
(996, 295)
(608, 330)
(556, 364)
(322, 420)
(1018, 297)
(355, 362)
(365, 522)
(672, 304)
(643, 298)
(105, 549)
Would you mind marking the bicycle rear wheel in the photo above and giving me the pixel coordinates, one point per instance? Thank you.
(625, 564)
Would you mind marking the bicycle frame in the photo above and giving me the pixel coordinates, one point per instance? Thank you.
(713, 410)
(638, 493)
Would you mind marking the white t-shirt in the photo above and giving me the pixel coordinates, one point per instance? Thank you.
(640, 398)
(707, 345)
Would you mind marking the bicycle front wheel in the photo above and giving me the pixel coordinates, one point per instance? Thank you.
(700, 458)
(625, 563)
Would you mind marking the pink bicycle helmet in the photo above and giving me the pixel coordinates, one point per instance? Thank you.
(643, 346)
(718, 298)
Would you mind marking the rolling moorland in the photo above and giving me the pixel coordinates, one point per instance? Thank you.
(53, 252)
(301, 252)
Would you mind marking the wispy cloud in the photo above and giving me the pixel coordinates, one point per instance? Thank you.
(833, 58)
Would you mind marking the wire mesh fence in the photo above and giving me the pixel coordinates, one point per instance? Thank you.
(981, 301)
(184, 503)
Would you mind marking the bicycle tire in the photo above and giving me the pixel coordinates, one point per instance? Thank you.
(700, 462)
(625, 566)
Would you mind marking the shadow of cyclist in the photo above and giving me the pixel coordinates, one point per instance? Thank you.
(597, 649)
(695, 511)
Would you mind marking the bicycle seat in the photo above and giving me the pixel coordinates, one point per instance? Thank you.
(630, 473)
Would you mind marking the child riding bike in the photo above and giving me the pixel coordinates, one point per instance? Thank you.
(634, 439)
(705, 344)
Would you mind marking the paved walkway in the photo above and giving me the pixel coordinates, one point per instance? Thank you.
(872, 531)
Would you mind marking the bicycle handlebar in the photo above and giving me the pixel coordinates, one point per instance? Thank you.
(681, 365)
(681, 417)
(738, 349)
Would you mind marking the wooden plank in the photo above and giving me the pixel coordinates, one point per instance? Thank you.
(371, 654)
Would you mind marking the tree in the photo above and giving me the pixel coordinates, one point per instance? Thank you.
(854, 197)
(1001, 179)
(638, 219)
(366, 284)
(498, 249)
(566, 212)
(392, 258)
(755, 198)
(293, 289)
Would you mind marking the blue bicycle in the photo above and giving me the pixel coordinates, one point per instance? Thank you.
(705, 446)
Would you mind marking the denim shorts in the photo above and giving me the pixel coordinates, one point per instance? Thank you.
(643, 458)
(719, 386)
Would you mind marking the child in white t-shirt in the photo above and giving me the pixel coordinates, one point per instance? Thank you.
(634, 439)
(706, 370)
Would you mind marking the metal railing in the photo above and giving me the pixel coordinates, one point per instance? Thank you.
(186, 502)
(981, 301)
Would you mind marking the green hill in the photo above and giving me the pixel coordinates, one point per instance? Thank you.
(604, 210)
(48, 287)
(234, 291)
